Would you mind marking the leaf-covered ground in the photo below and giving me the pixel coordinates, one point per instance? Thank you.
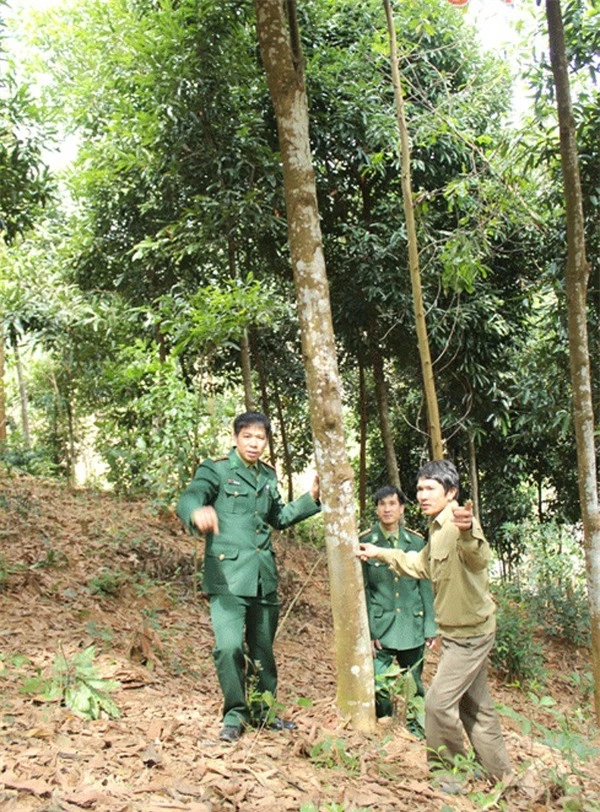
(79, 568)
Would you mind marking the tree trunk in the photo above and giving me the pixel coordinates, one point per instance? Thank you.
(247, 372)
(474, 476)
(362, 405)
(287, 457)
(282, 58)
(433, 416)
(245, 363)
(3, 434)
(391, 462)
(22, 393)
(262, 383)
(577, 277)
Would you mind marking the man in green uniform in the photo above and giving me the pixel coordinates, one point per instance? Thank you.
(234, 502)
(456, 558)
(400, 609)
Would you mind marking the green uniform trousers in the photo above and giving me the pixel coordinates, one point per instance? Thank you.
(458, 701)
(237, 620)
(409, 658)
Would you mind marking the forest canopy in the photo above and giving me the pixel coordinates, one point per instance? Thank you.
(151, 297)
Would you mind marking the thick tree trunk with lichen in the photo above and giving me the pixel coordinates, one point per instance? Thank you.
(282, 58)
(577, 277)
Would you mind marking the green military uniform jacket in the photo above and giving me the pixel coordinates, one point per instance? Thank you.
(457, 563)
(248, 504)
(400, 609)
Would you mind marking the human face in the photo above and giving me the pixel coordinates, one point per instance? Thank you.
(389, 512)
(251, 442)
(431, 496)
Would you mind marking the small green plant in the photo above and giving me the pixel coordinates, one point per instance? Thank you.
(99, 632)
(573, 745)
(53, 559)
(399, 684)
(332, 753)
(75, 683)
(108, 583)
(264, 708)
(311, 533)
(516, 654)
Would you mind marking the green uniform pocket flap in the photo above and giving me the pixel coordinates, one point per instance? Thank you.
(223, 555)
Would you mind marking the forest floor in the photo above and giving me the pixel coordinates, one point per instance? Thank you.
(81, 568)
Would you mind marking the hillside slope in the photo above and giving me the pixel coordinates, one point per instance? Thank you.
(79, 568)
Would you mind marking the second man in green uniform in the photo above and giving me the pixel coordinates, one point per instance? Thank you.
(400, 609)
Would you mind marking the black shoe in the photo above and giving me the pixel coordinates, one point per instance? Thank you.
(282, 724)
(230, 733)
(416, 729)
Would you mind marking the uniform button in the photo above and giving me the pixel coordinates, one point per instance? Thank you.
(235, 493)
(395, 580)
(257, 530)
(397, 610)
(221, 557)
(397, 594)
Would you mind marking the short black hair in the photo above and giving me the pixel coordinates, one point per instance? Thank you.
(389, 490)
(251, 419)
(443, 471)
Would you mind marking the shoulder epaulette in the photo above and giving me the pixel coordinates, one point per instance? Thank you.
(366, 533)
(415, 533)
(268, 465)
(220, 459)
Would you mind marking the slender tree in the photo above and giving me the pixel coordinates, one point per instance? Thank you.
(282, 58)
(577, 278)
(435, 429)
(381, 395)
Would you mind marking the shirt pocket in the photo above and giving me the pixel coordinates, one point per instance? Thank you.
(226, 554)
(237, 499)
(441, 563)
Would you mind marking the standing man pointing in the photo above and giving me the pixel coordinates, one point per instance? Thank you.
(456, 558)
(234, 502)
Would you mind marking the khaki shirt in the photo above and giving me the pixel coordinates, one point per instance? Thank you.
(457, 564)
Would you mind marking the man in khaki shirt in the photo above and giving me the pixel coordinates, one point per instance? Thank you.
(456, 559)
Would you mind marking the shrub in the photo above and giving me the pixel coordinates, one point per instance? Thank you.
(516, 654)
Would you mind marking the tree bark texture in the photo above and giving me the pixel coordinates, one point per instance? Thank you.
(474, 476)
(362, 405)
(22, 393)
(577, 277)
(282, 60)
(433, 415)
(246, 365)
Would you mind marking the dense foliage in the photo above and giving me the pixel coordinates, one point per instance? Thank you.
(170, 248)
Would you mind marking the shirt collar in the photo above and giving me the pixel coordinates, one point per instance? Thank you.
(251, 466)
(445, 514)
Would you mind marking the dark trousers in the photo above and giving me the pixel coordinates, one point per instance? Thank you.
(244, 631)
(411, 658)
